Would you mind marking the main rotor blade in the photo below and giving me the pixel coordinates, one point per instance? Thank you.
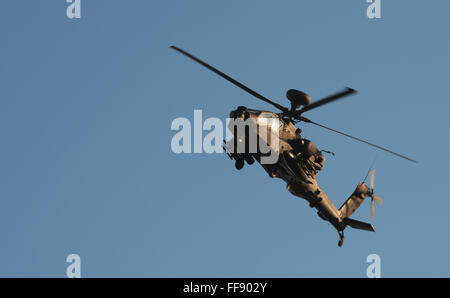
(357, 139)
(230, 79)
(327, 100)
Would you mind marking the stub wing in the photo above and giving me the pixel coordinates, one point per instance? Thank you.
(356, 224)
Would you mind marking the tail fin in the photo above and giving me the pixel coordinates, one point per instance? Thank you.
(355, 200)
(356, 224)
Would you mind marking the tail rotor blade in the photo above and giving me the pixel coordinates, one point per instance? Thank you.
(372, 210)
(377, 199)
(372, 179)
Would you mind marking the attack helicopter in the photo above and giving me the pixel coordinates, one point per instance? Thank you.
(299, 160)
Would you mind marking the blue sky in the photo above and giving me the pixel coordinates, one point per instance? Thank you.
(86, 165)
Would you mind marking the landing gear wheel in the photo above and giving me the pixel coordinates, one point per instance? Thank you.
(340, 243)
(249, 159)
(239, 164)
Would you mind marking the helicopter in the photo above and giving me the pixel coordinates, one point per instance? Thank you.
(298, 159)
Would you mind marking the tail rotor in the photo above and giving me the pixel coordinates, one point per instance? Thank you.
(373, 197)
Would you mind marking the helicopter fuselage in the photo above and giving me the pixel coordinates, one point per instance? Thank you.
(292, 158)
(298, 160)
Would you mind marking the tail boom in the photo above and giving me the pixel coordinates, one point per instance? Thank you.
(354, 201)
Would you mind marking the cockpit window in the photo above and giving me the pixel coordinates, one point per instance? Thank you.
(266, 118)
(266, 115)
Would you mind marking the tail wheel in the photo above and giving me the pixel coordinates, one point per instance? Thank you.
(341, 238)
